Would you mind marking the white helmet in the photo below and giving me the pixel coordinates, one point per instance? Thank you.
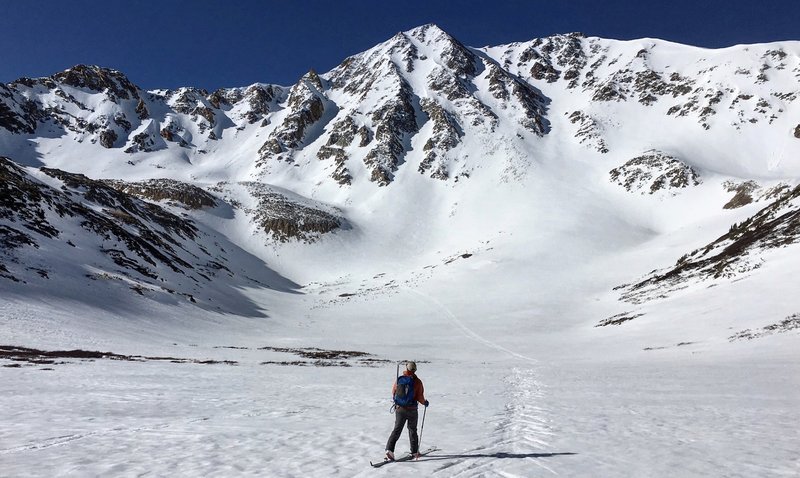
(411, 366)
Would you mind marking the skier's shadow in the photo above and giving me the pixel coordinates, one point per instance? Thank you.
(437, 456)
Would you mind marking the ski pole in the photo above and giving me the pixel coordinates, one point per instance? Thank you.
(421, 428)
(397, 374)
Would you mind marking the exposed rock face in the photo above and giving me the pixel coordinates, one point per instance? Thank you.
(382, 77)
(553, 58)
(171, 131)
(645, 86)
(744, 194)
(607, 74)
(505, 86)
(446, 135)
(16, 117)
(108, 138)
(120, 114)
(306, 105)
(654, 171)
(790, 323)
(99, 237)
(259, 98)
(186, 100)
(167, 134)
(147, 140)
(22, 201)
(218, 99)
(28, 103)
(195, 103)
(184, 194)
(141, 110)
(341, 136)
(750, 191)
(102, 194)
(394, 119)
(457, 58)
(589, 131)
(729, 256)
(151, 237)
(285, 219)
(98, 79)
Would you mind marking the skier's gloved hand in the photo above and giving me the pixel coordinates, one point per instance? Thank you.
(427, 403)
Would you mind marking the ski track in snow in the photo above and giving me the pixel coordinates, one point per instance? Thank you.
(467, 331)
(520, 432)
(67, 439)
(521, 427)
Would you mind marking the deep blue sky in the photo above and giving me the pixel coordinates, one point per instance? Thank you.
(209, 44)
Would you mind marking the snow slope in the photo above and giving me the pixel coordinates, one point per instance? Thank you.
(588, 246)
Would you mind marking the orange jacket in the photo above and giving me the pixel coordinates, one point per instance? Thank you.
(419, 389)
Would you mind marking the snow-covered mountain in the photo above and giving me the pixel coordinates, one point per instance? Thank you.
(545, 225)
(438, 136)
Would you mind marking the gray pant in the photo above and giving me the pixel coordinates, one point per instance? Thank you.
(401, 416)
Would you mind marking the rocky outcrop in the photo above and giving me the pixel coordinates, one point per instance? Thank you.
(107, 138)
(641, 84)
(517, 93)
(147, 140)
(392, 121)
(285, 219)
(739, 251)
(744, 194)
(554, 58)
(16, 115)
(172, 131)
(306, 105)
(383, 78)
(341, 136)
(98, 79)
(23, 203)
(456, 57)
(446, 135)
(654, 171)
(175, 192)
(150, 236)
(195, 103)
(27, 103)
(141, 110)
(259, 99)
(747, 192)
(130, 209)
(71, 229)
(589, 131)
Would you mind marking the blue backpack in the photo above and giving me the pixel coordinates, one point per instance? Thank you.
(404, 392)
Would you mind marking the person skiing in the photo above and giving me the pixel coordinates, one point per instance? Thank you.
(408, 392)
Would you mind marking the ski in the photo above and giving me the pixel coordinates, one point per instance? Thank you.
(404, 457)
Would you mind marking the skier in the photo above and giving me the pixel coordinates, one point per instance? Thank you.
(407, 392)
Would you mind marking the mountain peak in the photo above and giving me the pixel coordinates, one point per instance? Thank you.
(313, 77)
(429, 33)
(97, 78)
(426, 28)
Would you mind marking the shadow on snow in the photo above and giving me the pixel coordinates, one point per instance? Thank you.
(502, 455)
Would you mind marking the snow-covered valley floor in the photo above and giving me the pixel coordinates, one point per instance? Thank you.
(526, 403)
